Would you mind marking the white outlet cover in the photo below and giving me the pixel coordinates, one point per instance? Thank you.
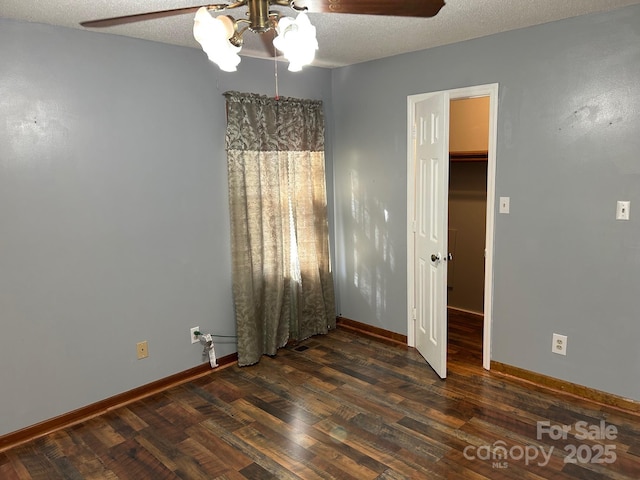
(192, 337)
(559, 344)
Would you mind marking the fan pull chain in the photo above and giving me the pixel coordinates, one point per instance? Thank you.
(275, 64)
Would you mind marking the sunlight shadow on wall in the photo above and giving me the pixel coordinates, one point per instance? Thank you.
(373, 253)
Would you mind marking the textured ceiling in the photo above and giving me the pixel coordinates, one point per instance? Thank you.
(343, 39)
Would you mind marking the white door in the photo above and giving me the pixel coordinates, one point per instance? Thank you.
(431, 168)
(427, 330)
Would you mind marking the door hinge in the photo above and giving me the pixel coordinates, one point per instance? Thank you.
(414, 131)
(414, 313)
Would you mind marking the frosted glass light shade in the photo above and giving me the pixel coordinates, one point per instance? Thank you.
(213, 34)
(297, 41)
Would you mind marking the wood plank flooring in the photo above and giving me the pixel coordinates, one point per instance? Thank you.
(343, 406)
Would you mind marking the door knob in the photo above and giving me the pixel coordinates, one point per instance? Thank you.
(434, 257)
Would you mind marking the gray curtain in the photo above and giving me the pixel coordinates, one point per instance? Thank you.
(282, 282)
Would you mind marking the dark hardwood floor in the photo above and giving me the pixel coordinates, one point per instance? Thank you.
(344, 406)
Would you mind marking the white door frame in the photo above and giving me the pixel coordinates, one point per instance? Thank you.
(491, 91)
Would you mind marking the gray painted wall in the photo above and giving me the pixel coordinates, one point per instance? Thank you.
(113, 203)
(113, 211)
(568, 143)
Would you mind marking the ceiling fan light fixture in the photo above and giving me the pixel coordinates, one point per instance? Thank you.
(221, 37)
(297, 41)
(213, 34)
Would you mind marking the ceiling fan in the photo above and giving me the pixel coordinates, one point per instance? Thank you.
(221, 36)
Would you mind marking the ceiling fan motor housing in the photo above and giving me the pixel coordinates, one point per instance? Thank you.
(259, 16)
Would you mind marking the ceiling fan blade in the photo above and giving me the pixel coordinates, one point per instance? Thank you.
(139, 17)
(405, 8)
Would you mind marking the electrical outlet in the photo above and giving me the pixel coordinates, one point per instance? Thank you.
(143, 350)
(192, 334)
(559, 344)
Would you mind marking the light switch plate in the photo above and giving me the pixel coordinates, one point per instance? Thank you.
(622, 210)
(504, 204)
